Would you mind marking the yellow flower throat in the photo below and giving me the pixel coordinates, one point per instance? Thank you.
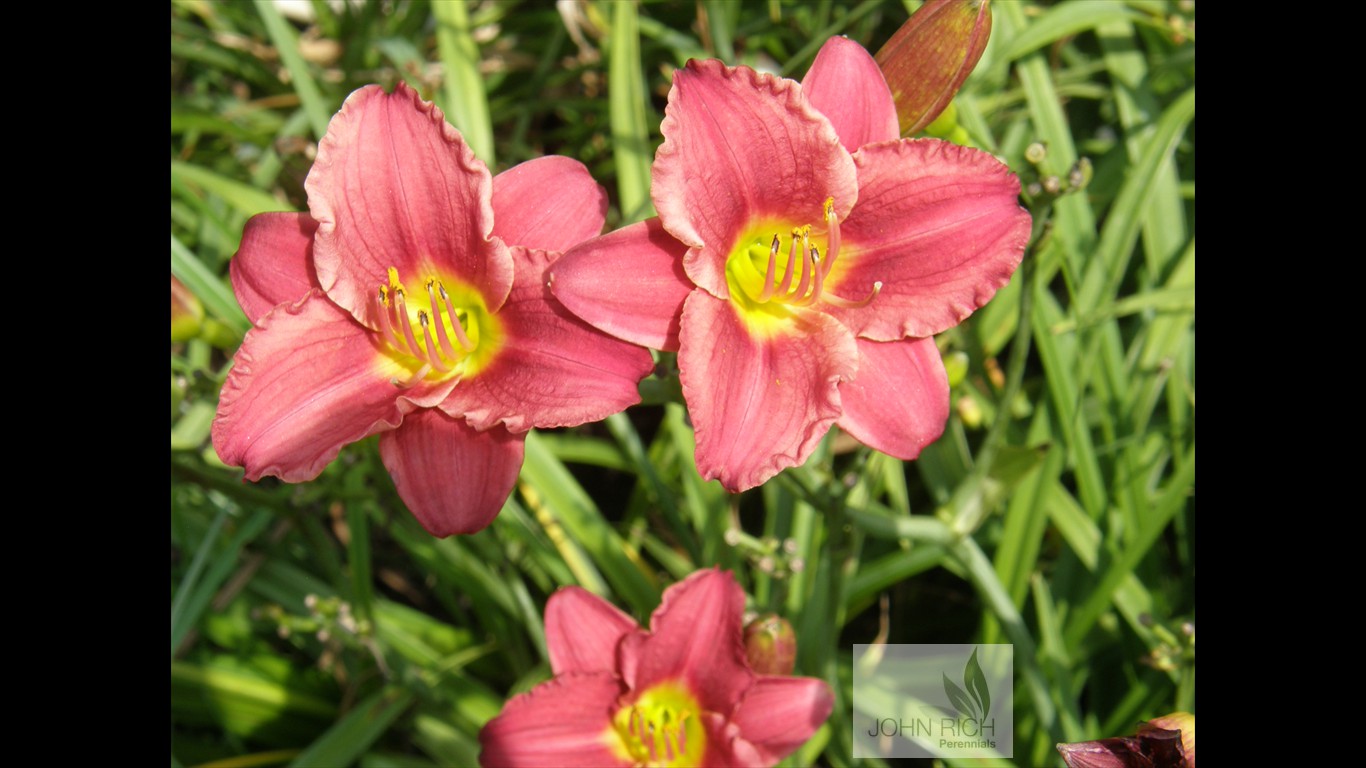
(662, 728)
(765, 283)
(445, 332)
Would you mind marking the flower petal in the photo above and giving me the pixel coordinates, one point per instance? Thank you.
(696, 637)
(899, 401)
(582, 632)
(726, 746)
(939, 226)
(274, 263)
(563, 723)
(394, 185)
(846, 85)
(779, 714)
(305, 382)
(453, 478)
(550, 203)
(760, 401)
(629, 283)
(742, 147)
(553, 369)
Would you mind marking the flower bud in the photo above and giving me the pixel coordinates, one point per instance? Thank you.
(928, 59)
(771, 645)
(186, 312)
(1178, 721)
(1163, 742)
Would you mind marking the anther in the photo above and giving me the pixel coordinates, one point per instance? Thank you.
(440, 326)
(401, 310)
(432, 355)
(386, 325)
(832, 237)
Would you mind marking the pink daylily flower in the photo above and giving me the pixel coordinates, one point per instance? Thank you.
(397, 306)
(680, 694)
(802, 260)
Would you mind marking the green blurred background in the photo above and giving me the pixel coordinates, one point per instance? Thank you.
(318, 624)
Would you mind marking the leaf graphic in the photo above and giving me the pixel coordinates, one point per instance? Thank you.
(976, 683)
(960, 700)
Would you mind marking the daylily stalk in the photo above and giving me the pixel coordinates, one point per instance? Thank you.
(928, 59)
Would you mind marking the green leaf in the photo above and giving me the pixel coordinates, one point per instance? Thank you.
(1108, 263)
(211, 290)
(247, 199)
(465, 104)
(345, 742)
(573, 508)
(629, 103)
(287, 44)
(1065, 20)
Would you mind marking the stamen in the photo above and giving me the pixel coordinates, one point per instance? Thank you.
(455, 320)
(416, 377)
(818, 280)
(432, 354)
(440, 326)
(405, 325)
(767, 292)
(385, 324)
(805, 282)
(850, 304)
(791, 265)
(832, 235)
(820, 274)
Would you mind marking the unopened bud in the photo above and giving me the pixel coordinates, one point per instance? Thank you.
(1178, 721)
(1167, 741)
(771, 645)
(928, 59)
(1080, 175)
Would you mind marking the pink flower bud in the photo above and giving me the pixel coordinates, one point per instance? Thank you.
(928, 59)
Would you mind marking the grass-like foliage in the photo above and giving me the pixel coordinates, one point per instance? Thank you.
(318, 624)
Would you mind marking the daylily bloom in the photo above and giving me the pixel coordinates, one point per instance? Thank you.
(397, 306)
(680, 694)
(802, 258)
